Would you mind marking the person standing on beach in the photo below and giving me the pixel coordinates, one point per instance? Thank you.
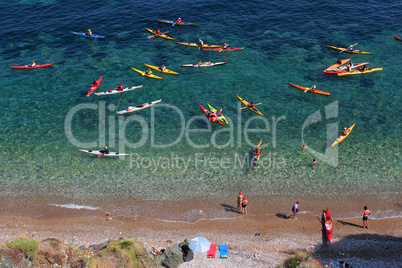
(295, 210)
(244, 205)
(365, 215)
(239, 200)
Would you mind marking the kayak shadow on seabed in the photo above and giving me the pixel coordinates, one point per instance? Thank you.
(362, 250)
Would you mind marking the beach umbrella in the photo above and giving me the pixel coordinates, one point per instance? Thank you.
(199, 245)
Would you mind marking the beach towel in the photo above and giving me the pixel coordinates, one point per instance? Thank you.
(223, 249)
(211, 251)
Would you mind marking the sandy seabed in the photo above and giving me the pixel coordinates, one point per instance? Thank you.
(255, 240)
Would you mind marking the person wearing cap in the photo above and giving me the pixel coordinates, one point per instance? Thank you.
(345, 131)
(119, 88)
(295, 210)
(162, 68)
(239, 200)
(105, 151)
(178, 21)
(244, 205)
(89, 32)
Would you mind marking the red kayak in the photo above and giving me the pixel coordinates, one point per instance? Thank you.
(223, 49)
(31, 67)
(328, 225)
(207, 113)
(95, 86)
(396, 37)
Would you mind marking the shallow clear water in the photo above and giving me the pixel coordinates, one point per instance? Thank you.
(284, 42)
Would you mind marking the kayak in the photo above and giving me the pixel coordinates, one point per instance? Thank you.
(90, 36)
(197, 45)
(149, 75)
(203, 65)
(256, 157)
(252, 109)
(355, 72)
(328, 225)
(180, 24)
(348, 51)
(94, 87)
(342, 137)
(215, 118)
(160, 35)
(396, 37)
(223, 49)
(31, 67)
(100, 153)
(336, 65)
(166, 71)
(315, 91)
(115, 91)
(342, 69)
(220, 117)
(132, 109)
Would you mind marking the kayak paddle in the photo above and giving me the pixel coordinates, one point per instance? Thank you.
(347, 49)
(151, 36)
(247, 107)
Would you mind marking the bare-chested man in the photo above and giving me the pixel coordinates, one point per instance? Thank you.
(239, 200)
(365, 215)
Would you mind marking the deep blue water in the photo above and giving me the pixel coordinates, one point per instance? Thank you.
(285, 41)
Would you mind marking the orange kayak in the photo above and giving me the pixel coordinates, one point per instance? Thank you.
(335, 65)
(315, 91)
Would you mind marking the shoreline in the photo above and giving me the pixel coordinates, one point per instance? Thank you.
(278, 237)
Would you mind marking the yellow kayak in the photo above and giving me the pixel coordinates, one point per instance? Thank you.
(197, 45)
(257, 156)
(143, 73)
(160, 35)
(348, 51)
(252, 109)
(220, 117)
(342, 137)
(166, 71)
(355, 72)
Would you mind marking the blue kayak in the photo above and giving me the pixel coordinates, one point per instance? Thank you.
(181, 23)
(90, 36)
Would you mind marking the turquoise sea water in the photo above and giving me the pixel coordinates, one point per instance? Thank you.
(175, 153)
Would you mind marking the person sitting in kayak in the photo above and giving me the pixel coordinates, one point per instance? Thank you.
(148, 72)
(105, 151)
(32, 64)
(351, 48)
(89, 32)
(219, 113)
(178, 21)
(345, 131)
(250, 105)
(162, 68)
(201, 43)
(339, 61)
(313, 88)
(257, 151)
(158, 32)
(349, 67)
(364, 68)
(119, 88)
(95, 82)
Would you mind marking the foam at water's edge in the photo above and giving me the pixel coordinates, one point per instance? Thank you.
(74, 206)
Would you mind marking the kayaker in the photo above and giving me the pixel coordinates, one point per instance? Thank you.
(257, 151)
(351, 48)
(339, 61)
(89, 32)
(219, 113)
(304, 147)
(119, 88)
(364, 68)
(158, 32)
(32, 64)
(350, 65)
(148, 72)
(201, 43)
(178, 21)
(105, 151)
(345, 131)
(162, 68)
(200, 63)
(313, 88)
(95, 82)
(250, 105)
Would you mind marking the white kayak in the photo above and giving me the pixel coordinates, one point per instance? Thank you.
(203, 65)
(115, 91)
(132, 109)
(99, 153)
